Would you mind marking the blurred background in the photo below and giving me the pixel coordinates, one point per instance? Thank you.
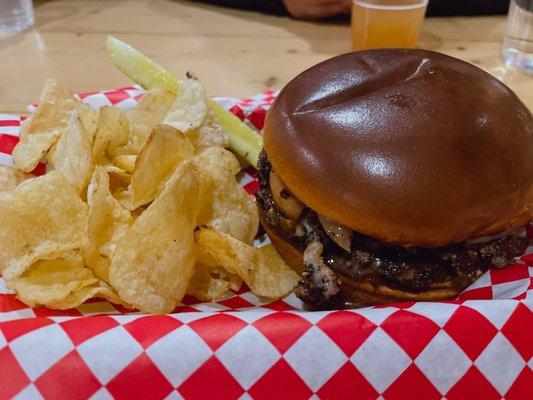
(241, 47)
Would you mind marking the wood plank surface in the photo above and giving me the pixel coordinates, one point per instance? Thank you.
(236, 53)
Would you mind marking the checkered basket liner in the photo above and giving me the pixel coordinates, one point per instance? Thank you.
(477, 346)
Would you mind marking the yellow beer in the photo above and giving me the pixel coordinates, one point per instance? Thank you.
(386, 23)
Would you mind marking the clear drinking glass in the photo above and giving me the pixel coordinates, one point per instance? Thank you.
(518, 44)
(386, 23)
(15, 15)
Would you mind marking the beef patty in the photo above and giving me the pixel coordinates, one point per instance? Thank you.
(413, 269)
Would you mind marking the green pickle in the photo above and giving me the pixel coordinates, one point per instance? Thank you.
(244, 141)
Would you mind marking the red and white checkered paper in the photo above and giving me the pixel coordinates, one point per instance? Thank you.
(478, 346)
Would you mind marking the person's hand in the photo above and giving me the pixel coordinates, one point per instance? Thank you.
(315, 9)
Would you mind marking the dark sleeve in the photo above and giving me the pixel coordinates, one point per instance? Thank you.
(275, 7)
(467, 7)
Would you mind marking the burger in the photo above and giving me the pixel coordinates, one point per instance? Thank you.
(394, 174)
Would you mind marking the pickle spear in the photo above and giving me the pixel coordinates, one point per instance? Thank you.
(244, 140)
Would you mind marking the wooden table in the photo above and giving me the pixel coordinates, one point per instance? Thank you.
(235, 53)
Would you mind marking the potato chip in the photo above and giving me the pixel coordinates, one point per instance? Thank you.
(125, 163)
(165, 149)
(190, 107)
(154, 261)
(46, 123)
(72, 154)
(42, 218)
(141, 124)
(55, 104)
(233, 211)
(212, 283)
(46, 118)
(102, 290)
(89, 120)
(156, 102)
(59, 277)
(56, 93)
(112, 132)
(32, 148)
(10, 178)
(113, 169)
(149, 112)
(51, 118)
(263, 270)
(107, 223)
(210, 133)
(123, 196)
(203, 258)
(60, 283)
(119, 180)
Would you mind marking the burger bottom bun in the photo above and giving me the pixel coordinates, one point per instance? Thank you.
(356, 294)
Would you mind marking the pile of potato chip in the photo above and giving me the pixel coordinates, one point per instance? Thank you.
(139, 206)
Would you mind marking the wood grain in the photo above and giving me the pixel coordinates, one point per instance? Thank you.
(235, 53)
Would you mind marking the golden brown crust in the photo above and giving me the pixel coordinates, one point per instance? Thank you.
(407, 146)
(361, 294)
(356, 293)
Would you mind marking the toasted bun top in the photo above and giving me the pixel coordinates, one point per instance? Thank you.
(408, 146)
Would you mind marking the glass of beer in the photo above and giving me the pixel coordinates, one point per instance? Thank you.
(386, 23)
